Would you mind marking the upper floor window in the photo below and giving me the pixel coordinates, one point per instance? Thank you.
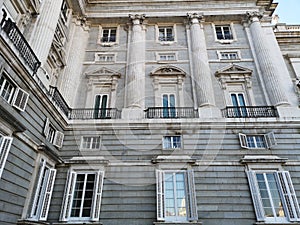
(52, 135)
(166, 34)
(82, 198)
(171, 142)
(104, 57)
(43, 193)
(176, 196)
(273, 196)
(109, 35)
(228, 55)
(90, 142)
(64, 11)
(223, 32)
(11, 93)
(5, 144)
(257, 141)
(166, 56)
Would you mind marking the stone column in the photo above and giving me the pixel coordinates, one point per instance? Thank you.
(266, 57)
(201, 73)
(43, 33)
(69, 82)
(135, 76)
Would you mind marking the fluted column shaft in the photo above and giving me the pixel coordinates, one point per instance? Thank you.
(43, 33)
(70, 81)
(135, 80)
(201, 70)
(271, 71)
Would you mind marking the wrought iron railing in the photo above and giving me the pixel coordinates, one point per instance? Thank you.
(19, 41)
(171, 112)
(85, 114)
(59, 100)
(249, 111)
(166, 38)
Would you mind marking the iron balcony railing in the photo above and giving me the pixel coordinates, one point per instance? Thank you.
(19, 41)
(59, 100)
(85, 114)
(249, 111)
(171, 112)
(166, 38)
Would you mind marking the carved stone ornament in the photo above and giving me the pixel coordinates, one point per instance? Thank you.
(195, 17)
(137, 18)
(254, 15)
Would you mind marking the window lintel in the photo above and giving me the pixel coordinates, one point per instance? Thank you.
(263, 159)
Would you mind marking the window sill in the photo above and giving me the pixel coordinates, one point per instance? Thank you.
(177, 223)
(31, 222)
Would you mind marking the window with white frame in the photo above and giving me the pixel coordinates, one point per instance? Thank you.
(166, 33)
(109, 35)
(5, 144)
(43, 188)
(52, 135)
(171, 142)
(257, 141)
(104, 57)
(11, 93)
(223, 32)
(90, 142)
(166, 56)
(228, 55)
(82, 199)
(176, 196)
(273, 196)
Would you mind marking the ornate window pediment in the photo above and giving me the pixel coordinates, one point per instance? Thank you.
(168, 71)
(102, 76)
(234, 74)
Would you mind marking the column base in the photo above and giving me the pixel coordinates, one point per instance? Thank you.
(133, 113)
(209, 112)
(288, 111)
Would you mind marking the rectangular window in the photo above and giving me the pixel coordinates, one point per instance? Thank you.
(165, 34)
(5, 144)
(176, 199)
(229, 55)
(238, 101)
(257, 141)
(273, 196)
(167, 57)
(52, 135)
(44, 187)
(83, 196)
(12, 94)
(169, 109)
(105, 57)
(90, 143)
(171, 142)
(100, 109)
(223, 32)
(109, 35)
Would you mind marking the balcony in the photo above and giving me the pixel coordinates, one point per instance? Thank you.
(171, 112)
(249, 111)
(86, 114)
(20, 43)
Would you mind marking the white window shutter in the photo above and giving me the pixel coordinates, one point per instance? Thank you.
(35, 202)
(259, 210)
(192, 202)
(243, 140)
(160, 198)
(58, 139)
(20, 99)
(5, 143)
(47, 195)
(68, 197)
(46, 127)
(289, 195)
(97, 196)
(270, 139)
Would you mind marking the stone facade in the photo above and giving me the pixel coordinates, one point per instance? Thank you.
(148, 112)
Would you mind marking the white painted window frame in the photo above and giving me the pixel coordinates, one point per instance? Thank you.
(98, 56)
(269, 140)
(52, 135)
(91, 144)
(108, 26)
(167, 54)
(191, 203)
(69, 192)
(232, 30)
(171, 142)
(221, 52)
(167, 25)
(287, 194)
(5, 145)
(43, 192)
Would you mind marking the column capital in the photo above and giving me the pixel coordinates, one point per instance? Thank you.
(195, 17)
(137, 19)
(254, 16)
